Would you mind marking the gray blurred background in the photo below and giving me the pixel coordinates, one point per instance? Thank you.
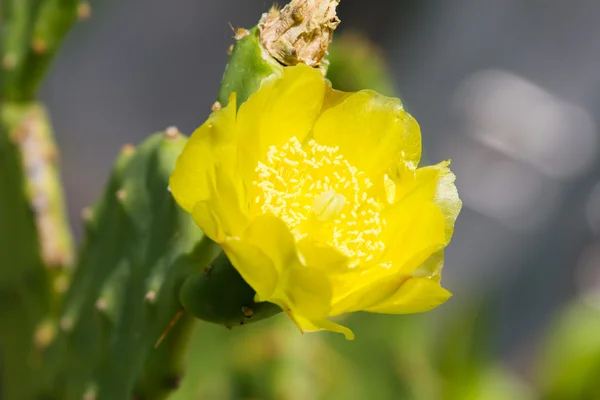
(509, 89)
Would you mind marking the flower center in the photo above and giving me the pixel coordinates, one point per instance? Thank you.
(319, 194)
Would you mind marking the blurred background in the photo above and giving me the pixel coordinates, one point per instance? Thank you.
(509, 90)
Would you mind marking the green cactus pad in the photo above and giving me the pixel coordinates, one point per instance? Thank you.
(139, 248)
(247, 67)
(220, 295)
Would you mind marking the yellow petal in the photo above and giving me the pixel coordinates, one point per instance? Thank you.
(439, 180)
(322, 256)
(334, 97)
(273, 237)
(213, 142)
(306, 325)
(432, 267)
(415, 295)
(372, 131)
(254, 266)
(304, 291)
(208, 221)
(283, 108)
(224, 213)
(415, 230)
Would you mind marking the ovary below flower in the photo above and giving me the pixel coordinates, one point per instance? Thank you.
(316, 198)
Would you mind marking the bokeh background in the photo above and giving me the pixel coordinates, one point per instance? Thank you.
(509, 90)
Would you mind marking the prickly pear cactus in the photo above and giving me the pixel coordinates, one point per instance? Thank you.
(35, 243)
(139, 247)
(117, 327)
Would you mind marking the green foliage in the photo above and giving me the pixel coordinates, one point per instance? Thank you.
(356, 64)
(32, 33)
(569, 364)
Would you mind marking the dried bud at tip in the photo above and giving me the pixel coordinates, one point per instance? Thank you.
(301, 32)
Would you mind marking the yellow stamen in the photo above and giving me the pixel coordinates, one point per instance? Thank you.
(300, 183)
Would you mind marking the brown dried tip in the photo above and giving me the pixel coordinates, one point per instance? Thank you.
(216, 106)
(301, 32)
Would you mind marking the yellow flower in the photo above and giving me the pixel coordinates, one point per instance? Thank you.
(315, 196)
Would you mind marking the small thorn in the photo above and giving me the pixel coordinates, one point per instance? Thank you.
(39, 46)
(84, 11)
(239, 33)
(90, 394)
(61, 284)
(242, 323)
(128, 149)
(206, 271)
(172, 132)
(9, 62)
(230, 50)
(216, 106)
(169, 189)
(121, 194)
(101, 304)
(87, 214)
(248, 312)
(150, 296)
(44, 334)
(169, 327)
(66, 324)
(228, 327)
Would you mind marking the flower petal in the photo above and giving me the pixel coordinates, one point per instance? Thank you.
(283, 108)
(224, 212)
(415, 230)
(300, 289)
(415, 295)
(306, 325)
(439, 180)
(306, 292)
(322, 256)
(272, 236)
(254, 266)
(212, 143)
(372, 131)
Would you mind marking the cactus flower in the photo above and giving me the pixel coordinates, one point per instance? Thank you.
(315, 197)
